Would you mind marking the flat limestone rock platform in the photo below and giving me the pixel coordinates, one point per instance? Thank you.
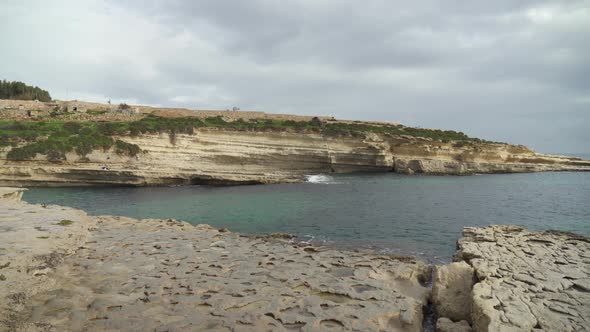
(164, 275)
(34, 240)
(62, 270)
(526, 280)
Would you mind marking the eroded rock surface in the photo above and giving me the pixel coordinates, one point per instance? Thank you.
(451, 291)
(34, 240)
(446, 325)
(168, 275)
(528, 280)
(14, 194)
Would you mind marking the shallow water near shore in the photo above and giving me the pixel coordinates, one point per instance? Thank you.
(405, 215)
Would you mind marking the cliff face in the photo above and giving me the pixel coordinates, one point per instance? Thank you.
(217, 156)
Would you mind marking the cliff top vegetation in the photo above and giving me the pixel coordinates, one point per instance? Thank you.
(56, 137)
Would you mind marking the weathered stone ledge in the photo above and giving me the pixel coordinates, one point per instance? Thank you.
(34, 240)
(63, 270)
(128, 274)
(507, 278)
(15, 194)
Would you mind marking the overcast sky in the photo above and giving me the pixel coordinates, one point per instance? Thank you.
(506, 70)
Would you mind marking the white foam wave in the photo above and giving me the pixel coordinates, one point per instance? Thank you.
(319, 178)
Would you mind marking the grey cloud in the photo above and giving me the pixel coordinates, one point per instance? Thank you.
(491, 69)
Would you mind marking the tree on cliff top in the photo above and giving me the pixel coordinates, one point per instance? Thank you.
(21, 91)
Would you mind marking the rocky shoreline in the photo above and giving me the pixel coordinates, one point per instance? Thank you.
(521, 280)
(62, 270)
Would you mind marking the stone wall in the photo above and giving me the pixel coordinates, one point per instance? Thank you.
(7, 104)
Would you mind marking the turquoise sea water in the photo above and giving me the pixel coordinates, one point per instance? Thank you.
(415, 215)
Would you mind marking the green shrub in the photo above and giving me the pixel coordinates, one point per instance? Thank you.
(55, 155)
(72, 127)
(112, 128)
(84, 144)
(95, 112)
(20, 154)
(125, 148)
(65, 222)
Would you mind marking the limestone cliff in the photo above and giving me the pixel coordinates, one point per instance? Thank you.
(225, 156)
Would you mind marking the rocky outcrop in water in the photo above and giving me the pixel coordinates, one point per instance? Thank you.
(525, 280)
(216, 156)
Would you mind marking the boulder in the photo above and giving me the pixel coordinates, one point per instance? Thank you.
(446, 325)
(451, 291)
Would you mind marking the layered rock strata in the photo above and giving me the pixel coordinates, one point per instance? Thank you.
(216, 156)
(524, 281)
(139, 275)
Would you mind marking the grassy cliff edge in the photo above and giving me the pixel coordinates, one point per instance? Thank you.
(54, 137)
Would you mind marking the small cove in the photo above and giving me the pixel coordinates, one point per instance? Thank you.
(395, 214)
